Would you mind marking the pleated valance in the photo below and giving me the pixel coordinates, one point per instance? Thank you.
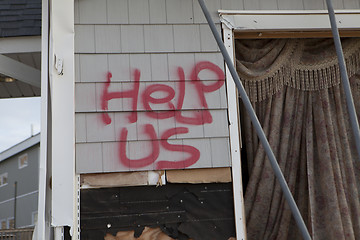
(267, 65)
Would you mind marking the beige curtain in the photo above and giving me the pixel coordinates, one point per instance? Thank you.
(295, 88)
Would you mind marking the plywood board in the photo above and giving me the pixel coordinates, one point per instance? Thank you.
(209, 175)
(113, 179)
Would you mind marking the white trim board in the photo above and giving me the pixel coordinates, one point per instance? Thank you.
(306, 20)
(20, 44)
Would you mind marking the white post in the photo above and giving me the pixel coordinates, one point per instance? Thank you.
(62, 85)
(233, 112)
(43, 224)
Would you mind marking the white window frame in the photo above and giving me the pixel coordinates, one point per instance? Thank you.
(8, 222)
(1, 221)
(25, 163)
(1, 179)
(261, 22)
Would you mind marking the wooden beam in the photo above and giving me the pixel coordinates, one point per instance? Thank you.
(292, 34)
(20, 71)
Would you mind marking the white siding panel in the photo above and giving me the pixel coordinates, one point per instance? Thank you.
(142, 121)
(314, 4)
(351, 4)
(290, 5)
(93, 67)
(171, 156)
(76, 12)
(77, 68)
(186, 38)
(159, 38)
(207, 40)
(219, 126)
(179, 11)
(92, 12)
(139, 150)
(203, 145)
(114, 104)
(191, 99)
(80, 128)
(139, 12)
(195, 131)
(159, 92)
(337, 4)
(111, 160)
(84, 39)
(157, 11)
(166, 124)
(232, 4)
(117, 12)
(122, 121)
(214, 58)
(212, 5)
(223, 97)
(214, 99)
(132, 38)
(88, 157)
(220, 152)
(184, 60)
(142, 63)
(85, 97)
(268, 4)
(252, 5)
(107, 39)
(97, 130)
(159, 67)
(119, 66)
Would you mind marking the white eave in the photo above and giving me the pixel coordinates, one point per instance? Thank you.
(298, 19)
(20, 60)
(20, 147)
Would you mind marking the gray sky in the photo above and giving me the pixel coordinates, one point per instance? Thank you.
(16, 117)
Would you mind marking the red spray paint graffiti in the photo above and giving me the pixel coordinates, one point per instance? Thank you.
(200, 117)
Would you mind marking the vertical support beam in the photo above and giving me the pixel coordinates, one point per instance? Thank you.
(59, 233)
(233, 113)
(344, 77)
(62, 85)
(43, 229)
(275, 166)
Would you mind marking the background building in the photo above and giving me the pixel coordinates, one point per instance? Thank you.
(19, 167)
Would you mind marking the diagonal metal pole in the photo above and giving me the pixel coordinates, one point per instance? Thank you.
(289, 198)
(344, 76)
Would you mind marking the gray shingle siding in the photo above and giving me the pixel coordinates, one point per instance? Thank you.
(20, 18)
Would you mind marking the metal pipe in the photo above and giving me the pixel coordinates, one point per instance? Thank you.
(344, 76)
(289, 198)
(15, 196)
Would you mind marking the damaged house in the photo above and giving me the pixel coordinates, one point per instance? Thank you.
(145, 136)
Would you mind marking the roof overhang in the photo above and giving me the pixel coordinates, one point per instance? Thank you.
(20, 74)
(20, 147)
